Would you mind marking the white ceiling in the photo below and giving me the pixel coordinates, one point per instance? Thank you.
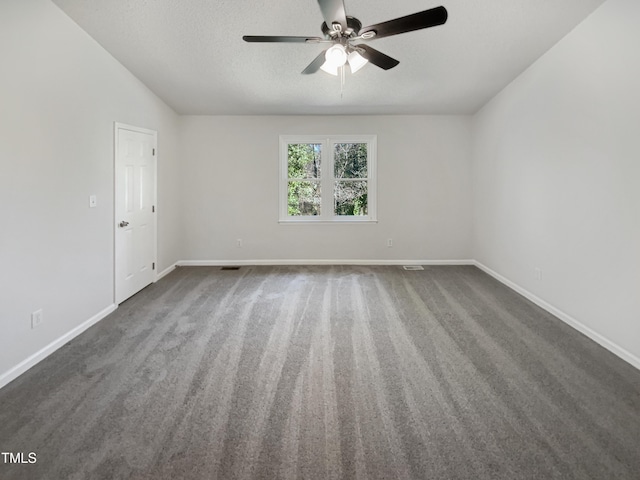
(191, 52)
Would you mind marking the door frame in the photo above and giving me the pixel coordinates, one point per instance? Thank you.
(117, 126)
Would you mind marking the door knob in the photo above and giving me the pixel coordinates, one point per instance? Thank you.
(123, 224)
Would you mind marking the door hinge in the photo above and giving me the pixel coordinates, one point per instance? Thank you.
(153, 266)
(153, 152)
(153, 209)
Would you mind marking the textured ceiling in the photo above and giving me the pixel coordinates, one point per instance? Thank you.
(191, 52)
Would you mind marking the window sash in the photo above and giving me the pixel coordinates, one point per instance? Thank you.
(327, 178)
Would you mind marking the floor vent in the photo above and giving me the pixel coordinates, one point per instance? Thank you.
(230, 268)
(413, 267)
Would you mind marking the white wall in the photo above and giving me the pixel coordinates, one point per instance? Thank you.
(231, 190)
(557, 177)
(60, 94)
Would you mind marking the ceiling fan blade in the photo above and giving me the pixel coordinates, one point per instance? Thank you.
(314, 66)
(377, 58)
(333, 11)
(280, 39)
(417, 21)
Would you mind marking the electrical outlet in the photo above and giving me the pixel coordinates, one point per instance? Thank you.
(239, 243)
(389, 242)
(537, 272)
(93, 201)
(36, 318)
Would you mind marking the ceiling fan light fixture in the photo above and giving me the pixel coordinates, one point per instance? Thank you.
(336, 56)
(356, 61)
(329, 68)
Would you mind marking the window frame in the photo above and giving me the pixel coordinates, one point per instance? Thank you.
(327, 179)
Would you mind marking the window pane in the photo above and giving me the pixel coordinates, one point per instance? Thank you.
(350, 160)
(303, 198)
(351, 198)
(304, 160)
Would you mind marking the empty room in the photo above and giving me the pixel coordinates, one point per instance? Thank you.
(319, 239)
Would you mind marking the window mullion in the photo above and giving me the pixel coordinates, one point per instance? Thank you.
(327, 181)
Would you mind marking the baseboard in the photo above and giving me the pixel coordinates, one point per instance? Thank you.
(223, 263)
(568, 319)
(25, 365)
(166, 271)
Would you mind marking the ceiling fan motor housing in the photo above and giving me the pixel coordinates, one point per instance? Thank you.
(353, 28)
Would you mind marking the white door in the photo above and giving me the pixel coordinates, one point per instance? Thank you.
(135, 198)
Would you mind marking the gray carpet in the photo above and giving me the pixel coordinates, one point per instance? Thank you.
(326, 373)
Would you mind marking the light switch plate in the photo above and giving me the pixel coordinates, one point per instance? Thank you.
(93, 201)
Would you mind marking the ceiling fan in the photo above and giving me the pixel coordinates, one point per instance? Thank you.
(344, 31)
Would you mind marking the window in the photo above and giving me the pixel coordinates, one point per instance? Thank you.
(328, 179)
